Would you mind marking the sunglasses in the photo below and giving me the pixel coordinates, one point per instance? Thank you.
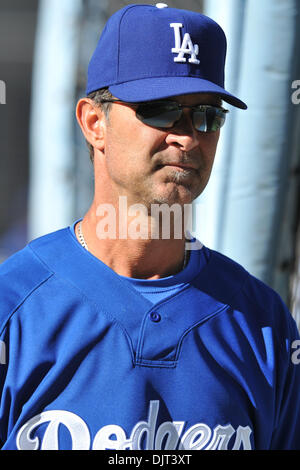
(165, 114)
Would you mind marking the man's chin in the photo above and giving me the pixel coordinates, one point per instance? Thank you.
(175, 194)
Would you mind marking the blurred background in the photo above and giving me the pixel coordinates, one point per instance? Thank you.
(250, 211)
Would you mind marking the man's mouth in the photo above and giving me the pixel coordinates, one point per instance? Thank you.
(178, 166)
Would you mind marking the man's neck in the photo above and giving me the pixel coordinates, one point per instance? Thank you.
(131, 250)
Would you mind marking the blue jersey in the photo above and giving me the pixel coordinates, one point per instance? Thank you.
(89, 362)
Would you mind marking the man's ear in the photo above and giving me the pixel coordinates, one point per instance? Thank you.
(91, 119)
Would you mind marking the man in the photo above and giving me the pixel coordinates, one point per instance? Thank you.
(115, 335)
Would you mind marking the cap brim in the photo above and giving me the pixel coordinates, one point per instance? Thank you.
(165, 87)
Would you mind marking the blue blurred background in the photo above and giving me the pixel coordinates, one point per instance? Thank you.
(250, 211)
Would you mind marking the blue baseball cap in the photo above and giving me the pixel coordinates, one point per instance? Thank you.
(151, 52)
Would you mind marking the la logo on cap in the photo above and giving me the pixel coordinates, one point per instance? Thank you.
(184, 47)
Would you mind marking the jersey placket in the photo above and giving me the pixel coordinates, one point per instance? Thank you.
(164, 326)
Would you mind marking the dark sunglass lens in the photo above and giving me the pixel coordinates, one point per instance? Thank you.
(209, 119)
(215, 119)
(199, 119)
(158, 114)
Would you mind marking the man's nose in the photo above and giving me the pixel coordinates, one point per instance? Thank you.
(184, 134)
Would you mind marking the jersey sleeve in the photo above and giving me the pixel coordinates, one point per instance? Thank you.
(282, 356)
(286, 434)
(20, 276)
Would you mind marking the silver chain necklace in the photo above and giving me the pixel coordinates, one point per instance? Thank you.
(81, 237)
(84, 244)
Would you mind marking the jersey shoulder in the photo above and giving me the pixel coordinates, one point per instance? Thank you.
(243, 291)
(20, 275)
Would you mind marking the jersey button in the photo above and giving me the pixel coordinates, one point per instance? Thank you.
(155, 317)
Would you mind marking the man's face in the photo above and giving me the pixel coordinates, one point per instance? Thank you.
(150, 165)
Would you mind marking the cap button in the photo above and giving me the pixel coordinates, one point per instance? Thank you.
(161, 5)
